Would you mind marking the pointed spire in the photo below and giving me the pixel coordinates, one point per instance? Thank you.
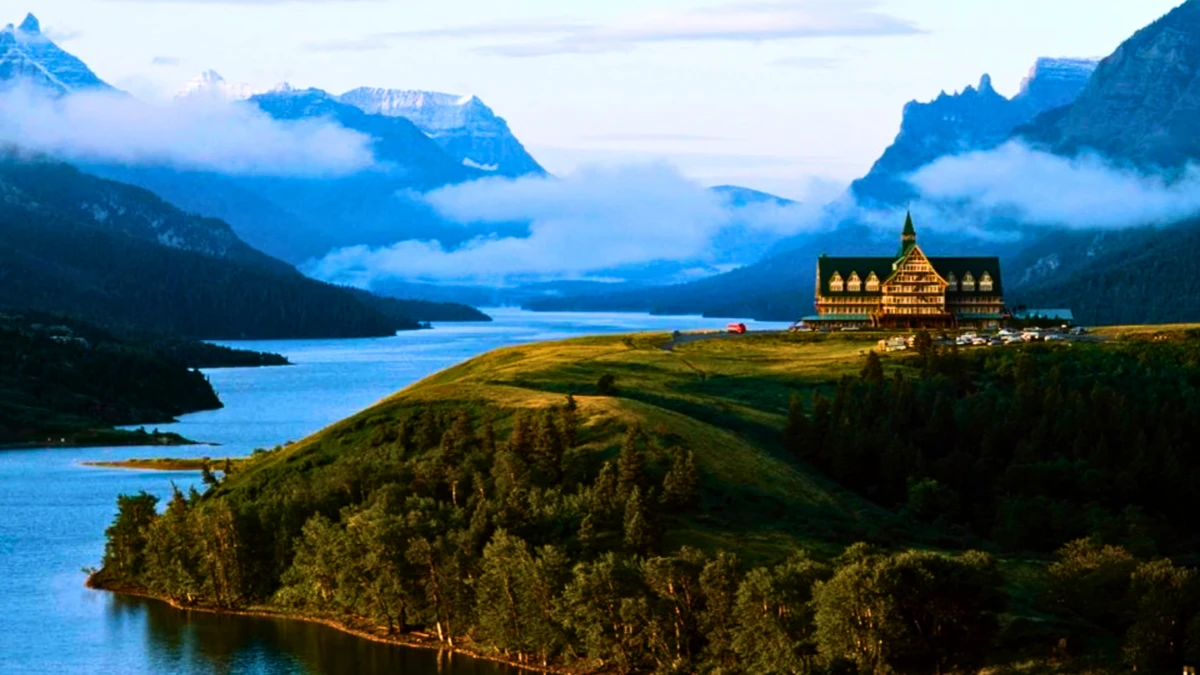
(908, 238)
(30, 25)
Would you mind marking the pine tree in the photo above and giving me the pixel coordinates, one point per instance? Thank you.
(569, 419)
(639, 530)
(873, 370)
(587, 533)
(681, 487)
(797, 432)
(548, 448)
(631, 465)
(207, 476)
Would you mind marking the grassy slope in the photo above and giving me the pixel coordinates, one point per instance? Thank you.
(725, 400)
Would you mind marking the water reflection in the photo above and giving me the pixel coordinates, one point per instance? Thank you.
(202, 643)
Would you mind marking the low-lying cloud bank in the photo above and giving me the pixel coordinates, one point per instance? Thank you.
(594, 219)
(112, 127)
(1033, 187)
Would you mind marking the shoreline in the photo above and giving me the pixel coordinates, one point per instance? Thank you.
(111, 442)
(164, 463)
(413, 640)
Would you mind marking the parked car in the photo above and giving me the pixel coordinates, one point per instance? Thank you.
(736, 328)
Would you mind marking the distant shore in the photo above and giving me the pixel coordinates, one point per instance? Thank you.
(102, 438)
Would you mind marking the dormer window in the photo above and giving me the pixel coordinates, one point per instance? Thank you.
(952, 281)
(968, 283)
(872, 283)
(835, 283)
(985, 283)
(855, 284)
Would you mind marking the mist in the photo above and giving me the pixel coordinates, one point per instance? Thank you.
(1038, 188)
(113, 127)
(595, 219)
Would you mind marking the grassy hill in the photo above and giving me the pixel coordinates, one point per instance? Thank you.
(737, 503)
(725, 400)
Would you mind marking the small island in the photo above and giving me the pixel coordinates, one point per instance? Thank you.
(67, 382)
(225, 464)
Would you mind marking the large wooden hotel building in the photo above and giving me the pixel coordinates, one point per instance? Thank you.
(908, 290)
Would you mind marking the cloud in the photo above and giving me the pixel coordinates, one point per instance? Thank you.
(61, 35)
(651, 138)
(165, 61)
(754, 21)
(196, 135)
(811, 62)
(596, 219)
(1034, 187)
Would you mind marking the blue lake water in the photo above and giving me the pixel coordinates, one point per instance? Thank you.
(53, 512)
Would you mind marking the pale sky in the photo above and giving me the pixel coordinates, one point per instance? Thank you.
(779, 95)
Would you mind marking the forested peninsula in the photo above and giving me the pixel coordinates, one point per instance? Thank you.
(763, 504)
(68, 382)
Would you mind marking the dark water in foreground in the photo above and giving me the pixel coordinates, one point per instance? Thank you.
(53, 512)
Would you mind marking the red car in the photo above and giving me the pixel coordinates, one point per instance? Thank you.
(736, 328)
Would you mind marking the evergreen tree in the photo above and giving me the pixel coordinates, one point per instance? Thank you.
(548, 448)
(681, 486)
(873, 369)
(797, 432)
(125, 549)
(631, 464)
(639, 529)
(207, 476)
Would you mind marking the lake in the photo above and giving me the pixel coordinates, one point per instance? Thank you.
(53, 512)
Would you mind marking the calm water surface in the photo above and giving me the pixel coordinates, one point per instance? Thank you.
(53, 512)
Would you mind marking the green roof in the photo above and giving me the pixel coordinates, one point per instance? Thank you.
(839, 317)
(976, 266)
(826, 266)
(882, 267)
(992, 315)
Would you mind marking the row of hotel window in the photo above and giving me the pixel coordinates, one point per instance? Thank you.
(854, 285)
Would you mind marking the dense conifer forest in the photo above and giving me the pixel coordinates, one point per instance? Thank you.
(1024, 505)
(63, 380)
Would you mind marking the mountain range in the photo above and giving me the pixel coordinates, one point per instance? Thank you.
(1137, 109)
(26, 54)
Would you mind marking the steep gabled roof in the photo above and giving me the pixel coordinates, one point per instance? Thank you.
(976, 266)
(826, 266)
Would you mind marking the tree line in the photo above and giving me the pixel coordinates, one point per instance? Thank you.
(1026, 447)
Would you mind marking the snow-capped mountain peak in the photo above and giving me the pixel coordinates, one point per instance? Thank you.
(462, 125)
(26, 55)
(210, 86)
(30, 25)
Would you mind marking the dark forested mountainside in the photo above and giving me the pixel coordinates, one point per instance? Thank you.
(67, 381)
(43, 187)
(79, 244)
(606, 504)
(1130, 277)
(53, 264)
